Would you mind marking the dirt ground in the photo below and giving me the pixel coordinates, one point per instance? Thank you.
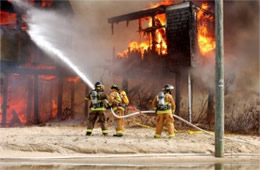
(71, 140)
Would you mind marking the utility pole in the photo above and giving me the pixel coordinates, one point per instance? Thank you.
(219, 117)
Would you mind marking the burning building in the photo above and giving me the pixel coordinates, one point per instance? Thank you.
(32, 83)
(173, 38)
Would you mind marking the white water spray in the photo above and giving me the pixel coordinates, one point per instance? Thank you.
(44, 44)
(37, 33)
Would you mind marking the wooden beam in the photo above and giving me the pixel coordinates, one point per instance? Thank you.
(29, 100)
(36, 99)
(177, 94)
(31, 71)
(86, 102)
(5, 95)
(60, 95)
(210, 110)
(72, 96)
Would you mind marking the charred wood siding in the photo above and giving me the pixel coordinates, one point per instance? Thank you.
(178, 39)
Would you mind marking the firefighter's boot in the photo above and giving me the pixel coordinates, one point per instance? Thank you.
(88, 133)
(118, 135)
(171, 136)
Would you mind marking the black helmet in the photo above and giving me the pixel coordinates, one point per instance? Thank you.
(99, 86)
(168, 88)
(114, 86)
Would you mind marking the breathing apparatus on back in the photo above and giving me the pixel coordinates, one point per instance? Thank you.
(122, 95)
(162, 105)
(94, 96)
(161, 98)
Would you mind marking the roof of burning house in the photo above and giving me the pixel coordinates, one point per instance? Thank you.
(151, 12)
(180, 33)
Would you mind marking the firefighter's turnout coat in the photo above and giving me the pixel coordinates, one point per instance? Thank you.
(97, 110)
(164, 113)
(118, 101)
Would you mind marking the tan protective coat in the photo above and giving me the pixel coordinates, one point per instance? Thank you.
(115, 100)
(164, 116)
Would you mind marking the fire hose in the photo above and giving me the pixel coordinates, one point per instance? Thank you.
(152, 111)
(181, 119)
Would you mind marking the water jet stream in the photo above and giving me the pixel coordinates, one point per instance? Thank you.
(44, 44)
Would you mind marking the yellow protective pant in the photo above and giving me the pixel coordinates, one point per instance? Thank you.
(169, 124)
(119, 123)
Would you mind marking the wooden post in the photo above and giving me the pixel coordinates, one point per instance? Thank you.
(86, 102)
(29, 101)
(153, 35)
(210, 110)
(177, 92)
(60, 94)
(72, 96)
(5, 96)
(18, 29)
(219, 117)
(36, 99)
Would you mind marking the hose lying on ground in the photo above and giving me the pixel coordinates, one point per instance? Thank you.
(183, 120)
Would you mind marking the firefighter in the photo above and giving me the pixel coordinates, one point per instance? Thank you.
(164, 105)
(118, 101)
(98, 108)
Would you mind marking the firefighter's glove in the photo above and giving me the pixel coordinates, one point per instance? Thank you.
(108, 107)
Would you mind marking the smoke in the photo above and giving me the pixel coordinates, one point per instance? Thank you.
(242, 43)
(92, 23)
(241, 49)
(93, 42)
(85, 35)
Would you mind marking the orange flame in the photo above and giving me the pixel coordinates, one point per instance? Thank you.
(73, 79)
(22, 118)
(47, 3)
(17, 102)
(165, 2)
(45, 77)
(134, 46)
(160, 37)
(54, 109)
(160, 34)
(19, 107)
(7, 18)
(206, 41)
